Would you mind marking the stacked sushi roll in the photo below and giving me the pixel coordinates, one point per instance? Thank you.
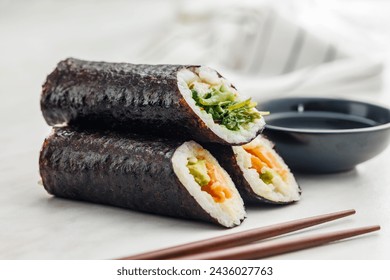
(258, 171)
(134, 136)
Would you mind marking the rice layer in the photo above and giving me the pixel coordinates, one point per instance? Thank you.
(228, 213)
(281, 189)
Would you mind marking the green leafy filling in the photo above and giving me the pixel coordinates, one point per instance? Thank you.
(221, 105)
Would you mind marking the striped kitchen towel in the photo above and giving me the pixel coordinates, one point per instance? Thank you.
(266, 53)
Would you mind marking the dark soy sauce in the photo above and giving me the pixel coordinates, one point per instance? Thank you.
(318, 120)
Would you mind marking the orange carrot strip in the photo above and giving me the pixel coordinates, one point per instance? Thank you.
(216, 185)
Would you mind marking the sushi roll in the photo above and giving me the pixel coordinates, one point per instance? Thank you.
(190, 102)
(166, 177)
(259, 173)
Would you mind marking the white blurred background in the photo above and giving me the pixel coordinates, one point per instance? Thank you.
(266, 48)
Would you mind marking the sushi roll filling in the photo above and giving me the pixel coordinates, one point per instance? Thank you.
(195, 166)
(265, 172)
(217, 97)
(209, 178)
(265, 164)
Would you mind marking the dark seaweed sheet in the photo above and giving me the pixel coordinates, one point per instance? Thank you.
(133, 97)
(122, 170)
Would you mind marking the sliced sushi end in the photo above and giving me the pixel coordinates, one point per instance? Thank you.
(218, 104)
(266, 172)
(208, 183)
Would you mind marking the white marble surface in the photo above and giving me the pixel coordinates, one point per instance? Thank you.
(34, 225)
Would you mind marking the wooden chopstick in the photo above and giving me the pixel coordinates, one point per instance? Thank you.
(239, 238)
(257, 251)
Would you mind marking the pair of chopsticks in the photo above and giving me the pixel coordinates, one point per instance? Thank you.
(236, 246)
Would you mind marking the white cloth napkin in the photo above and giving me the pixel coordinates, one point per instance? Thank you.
(265, 53)
(266, 48)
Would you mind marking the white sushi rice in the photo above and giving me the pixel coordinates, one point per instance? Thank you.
(201, 77)
(279, 190)
(228, 213)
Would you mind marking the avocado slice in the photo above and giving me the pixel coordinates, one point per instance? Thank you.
(198, 169)
(266, 177)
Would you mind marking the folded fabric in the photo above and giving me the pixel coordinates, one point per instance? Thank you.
(268, 54)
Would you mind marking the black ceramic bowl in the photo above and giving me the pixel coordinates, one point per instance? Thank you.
(323, 135)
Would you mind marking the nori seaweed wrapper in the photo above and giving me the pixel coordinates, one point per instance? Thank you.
(226, 158)
(115, 169)
(134, 97)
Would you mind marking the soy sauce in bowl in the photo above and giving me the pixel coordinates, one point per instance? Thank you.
(323, 135)
(319, 121)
